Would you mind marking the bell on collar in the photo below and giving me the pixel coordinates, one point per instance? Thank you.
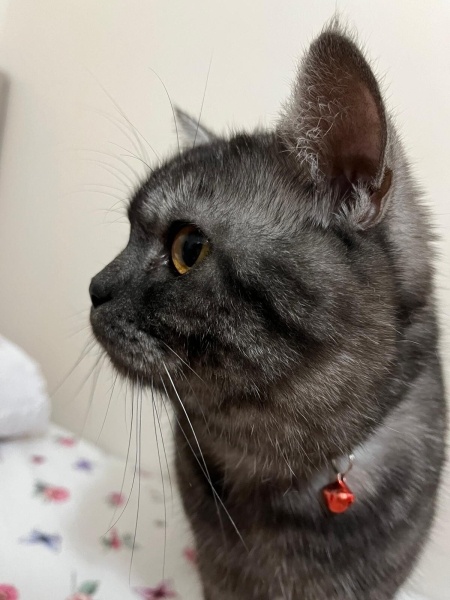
(338, 496)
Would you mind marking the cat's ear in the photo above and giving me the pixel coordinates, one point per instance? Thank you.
(190, 131)
(335, 125)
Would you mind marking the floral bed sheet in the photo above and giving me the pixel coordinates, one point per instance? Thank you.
(69, 527)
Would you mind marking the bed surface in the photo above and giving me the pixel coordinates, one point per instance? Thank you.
(67, 531)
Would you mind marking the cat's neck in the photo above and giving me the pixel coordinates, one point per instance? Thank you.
(249, 463)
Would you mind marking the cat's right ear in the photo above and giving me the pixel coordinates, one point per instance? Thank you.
(190, 132)
(335, 127)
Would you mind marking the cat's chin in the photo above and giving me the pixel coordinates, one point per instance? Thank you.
(129, 364)
(132, 370)
(133, 354)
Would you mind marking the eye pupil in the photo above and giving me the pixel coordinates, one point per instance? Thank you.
(191, 248)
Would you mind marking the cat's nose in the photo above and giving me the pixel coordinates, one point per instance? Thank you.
(99, 291)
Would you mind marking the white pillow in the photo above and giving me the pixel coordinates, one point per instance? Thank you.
(24, 404)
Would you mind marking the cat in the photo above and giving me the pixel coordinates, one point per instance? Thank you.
(278, 288)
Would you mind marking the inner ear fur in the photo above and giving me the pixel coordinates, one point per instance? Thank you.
(335, 125)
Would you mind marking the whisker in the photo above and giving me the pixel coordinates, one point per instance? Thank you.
(165, 453)
(158, 416)
(126, 405)
(163, 485)
(137, 145)
(79, 312)
(198, 403)
(127, 182)
(163, 404)
(155, 412)
(89, 345)
(204, 468)
(121, 219)
(138, 454)
(113, 524)
(205, 471)
(78, 331)
(121, 200)
(119, 158)
(98, 367)
(184, 362)
(107, 408)
(102, 192)
(203, 100)
(101, 185)
(131, 155)
(124, 116)
(171, 106)
(86, 378)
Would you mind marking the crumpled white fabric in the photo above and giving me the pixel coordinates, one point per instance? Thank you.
(24, 403)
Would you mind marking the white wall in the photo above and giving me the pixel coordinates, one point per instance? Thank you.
(57, 186)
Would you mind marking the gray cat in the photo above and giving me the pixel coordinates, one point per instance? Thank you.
(278, 287)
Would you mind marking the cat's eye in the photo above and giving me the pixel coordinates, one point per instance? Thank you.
(189, 248)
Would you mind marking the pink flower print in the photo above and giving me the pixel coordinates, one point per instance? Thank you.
(56, 494)
(51, 493)
(162, 590)
(116, 499)
(8, 592)
(115, 541)
(112, 540)
(86, 591)
(37, 459)
(190, 555)
(66, 441)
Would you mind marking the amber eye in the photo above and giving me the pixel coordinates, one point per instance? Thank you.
(189, 247)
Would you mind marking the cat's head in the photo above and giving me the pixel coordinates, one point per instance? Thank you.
(261, 259)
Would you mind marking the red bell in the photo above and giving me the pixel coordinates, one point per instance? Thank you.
(338, 496)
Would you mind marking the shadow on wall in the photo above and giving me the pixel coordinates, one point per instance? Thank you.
(4, 91)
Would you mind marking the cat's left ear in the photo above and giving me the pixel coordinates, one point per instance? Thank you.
(335, 126)
(191, 132)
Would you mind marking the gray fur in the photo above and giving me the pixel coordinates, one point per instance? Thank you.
(308, 333)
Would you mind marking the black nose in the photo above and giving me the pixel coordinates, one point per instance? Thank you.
(99, 292)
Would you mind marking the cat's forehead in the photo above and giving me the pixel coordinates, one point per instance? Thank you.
(242, 182)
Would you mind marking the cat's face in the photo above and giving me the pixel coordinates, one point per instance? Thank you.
(251, 261)
(220, 272)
